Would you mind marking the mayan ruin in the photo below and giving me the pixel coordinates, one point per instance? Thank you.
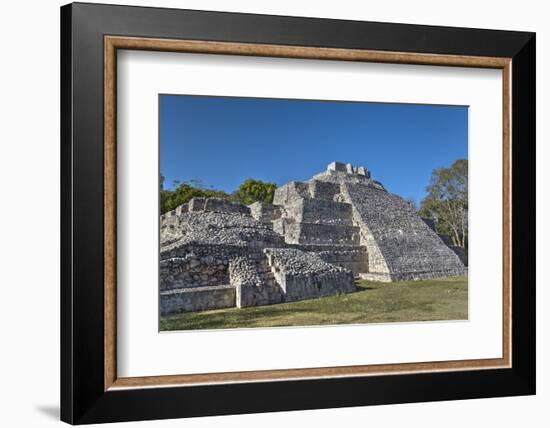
(313, 241)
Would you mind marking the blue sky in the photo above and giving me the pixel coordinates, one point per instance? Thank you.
(224, 140)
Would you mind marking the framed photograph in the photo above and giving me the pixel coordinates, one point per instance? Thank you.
(265, 213)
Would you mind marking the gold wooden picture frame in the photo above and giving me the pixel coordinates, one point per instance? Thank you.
(114, 43)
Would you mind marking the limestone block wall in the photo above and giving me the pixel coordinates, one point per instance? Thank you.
(196, 299)
(301, 287)
(183, 208)
(218, 253)
(322, 211)
(225, 206)
(289, 191)
(197, 265)
(266, 213)
(169, 228)
(303, 275)
(348, 168)
(196, 204)
(319, 234)
(218, 205)
(279, 224)
(193, 270)
(340, 176)
(323, 190)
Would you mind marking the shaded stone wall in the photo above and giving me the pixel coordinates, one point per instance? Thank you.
(266, 213)
(193, 271)
(430, 222)
(224, 206)
(323, 190)
(196, 299)
(319, 234)
(303, 275)
(461, 253)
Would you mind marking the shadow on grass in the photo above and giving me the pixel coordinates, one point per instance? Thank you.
(229, 318)
(267, 310)
(359, 288)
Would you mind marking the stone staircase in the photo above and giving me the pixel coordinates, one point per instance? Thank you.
(254, 282)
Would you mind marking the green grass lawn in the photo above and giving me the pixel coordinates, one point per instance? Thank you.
(373, 302)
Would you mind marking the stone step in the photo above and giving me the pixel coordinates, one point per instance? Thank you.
(262, 273)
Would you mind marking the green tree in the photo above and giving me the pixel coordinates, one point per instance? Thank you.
(447, 201)
(170, 199)
(249, 191)
(255, 191)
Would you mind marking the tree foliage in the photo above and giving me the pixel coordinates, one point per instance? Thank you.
(447, 202)
(170, 199)
(255, 191)
(248, 192)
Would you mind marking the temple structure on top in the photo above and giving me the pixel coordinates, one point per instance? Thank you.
(311, 242)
